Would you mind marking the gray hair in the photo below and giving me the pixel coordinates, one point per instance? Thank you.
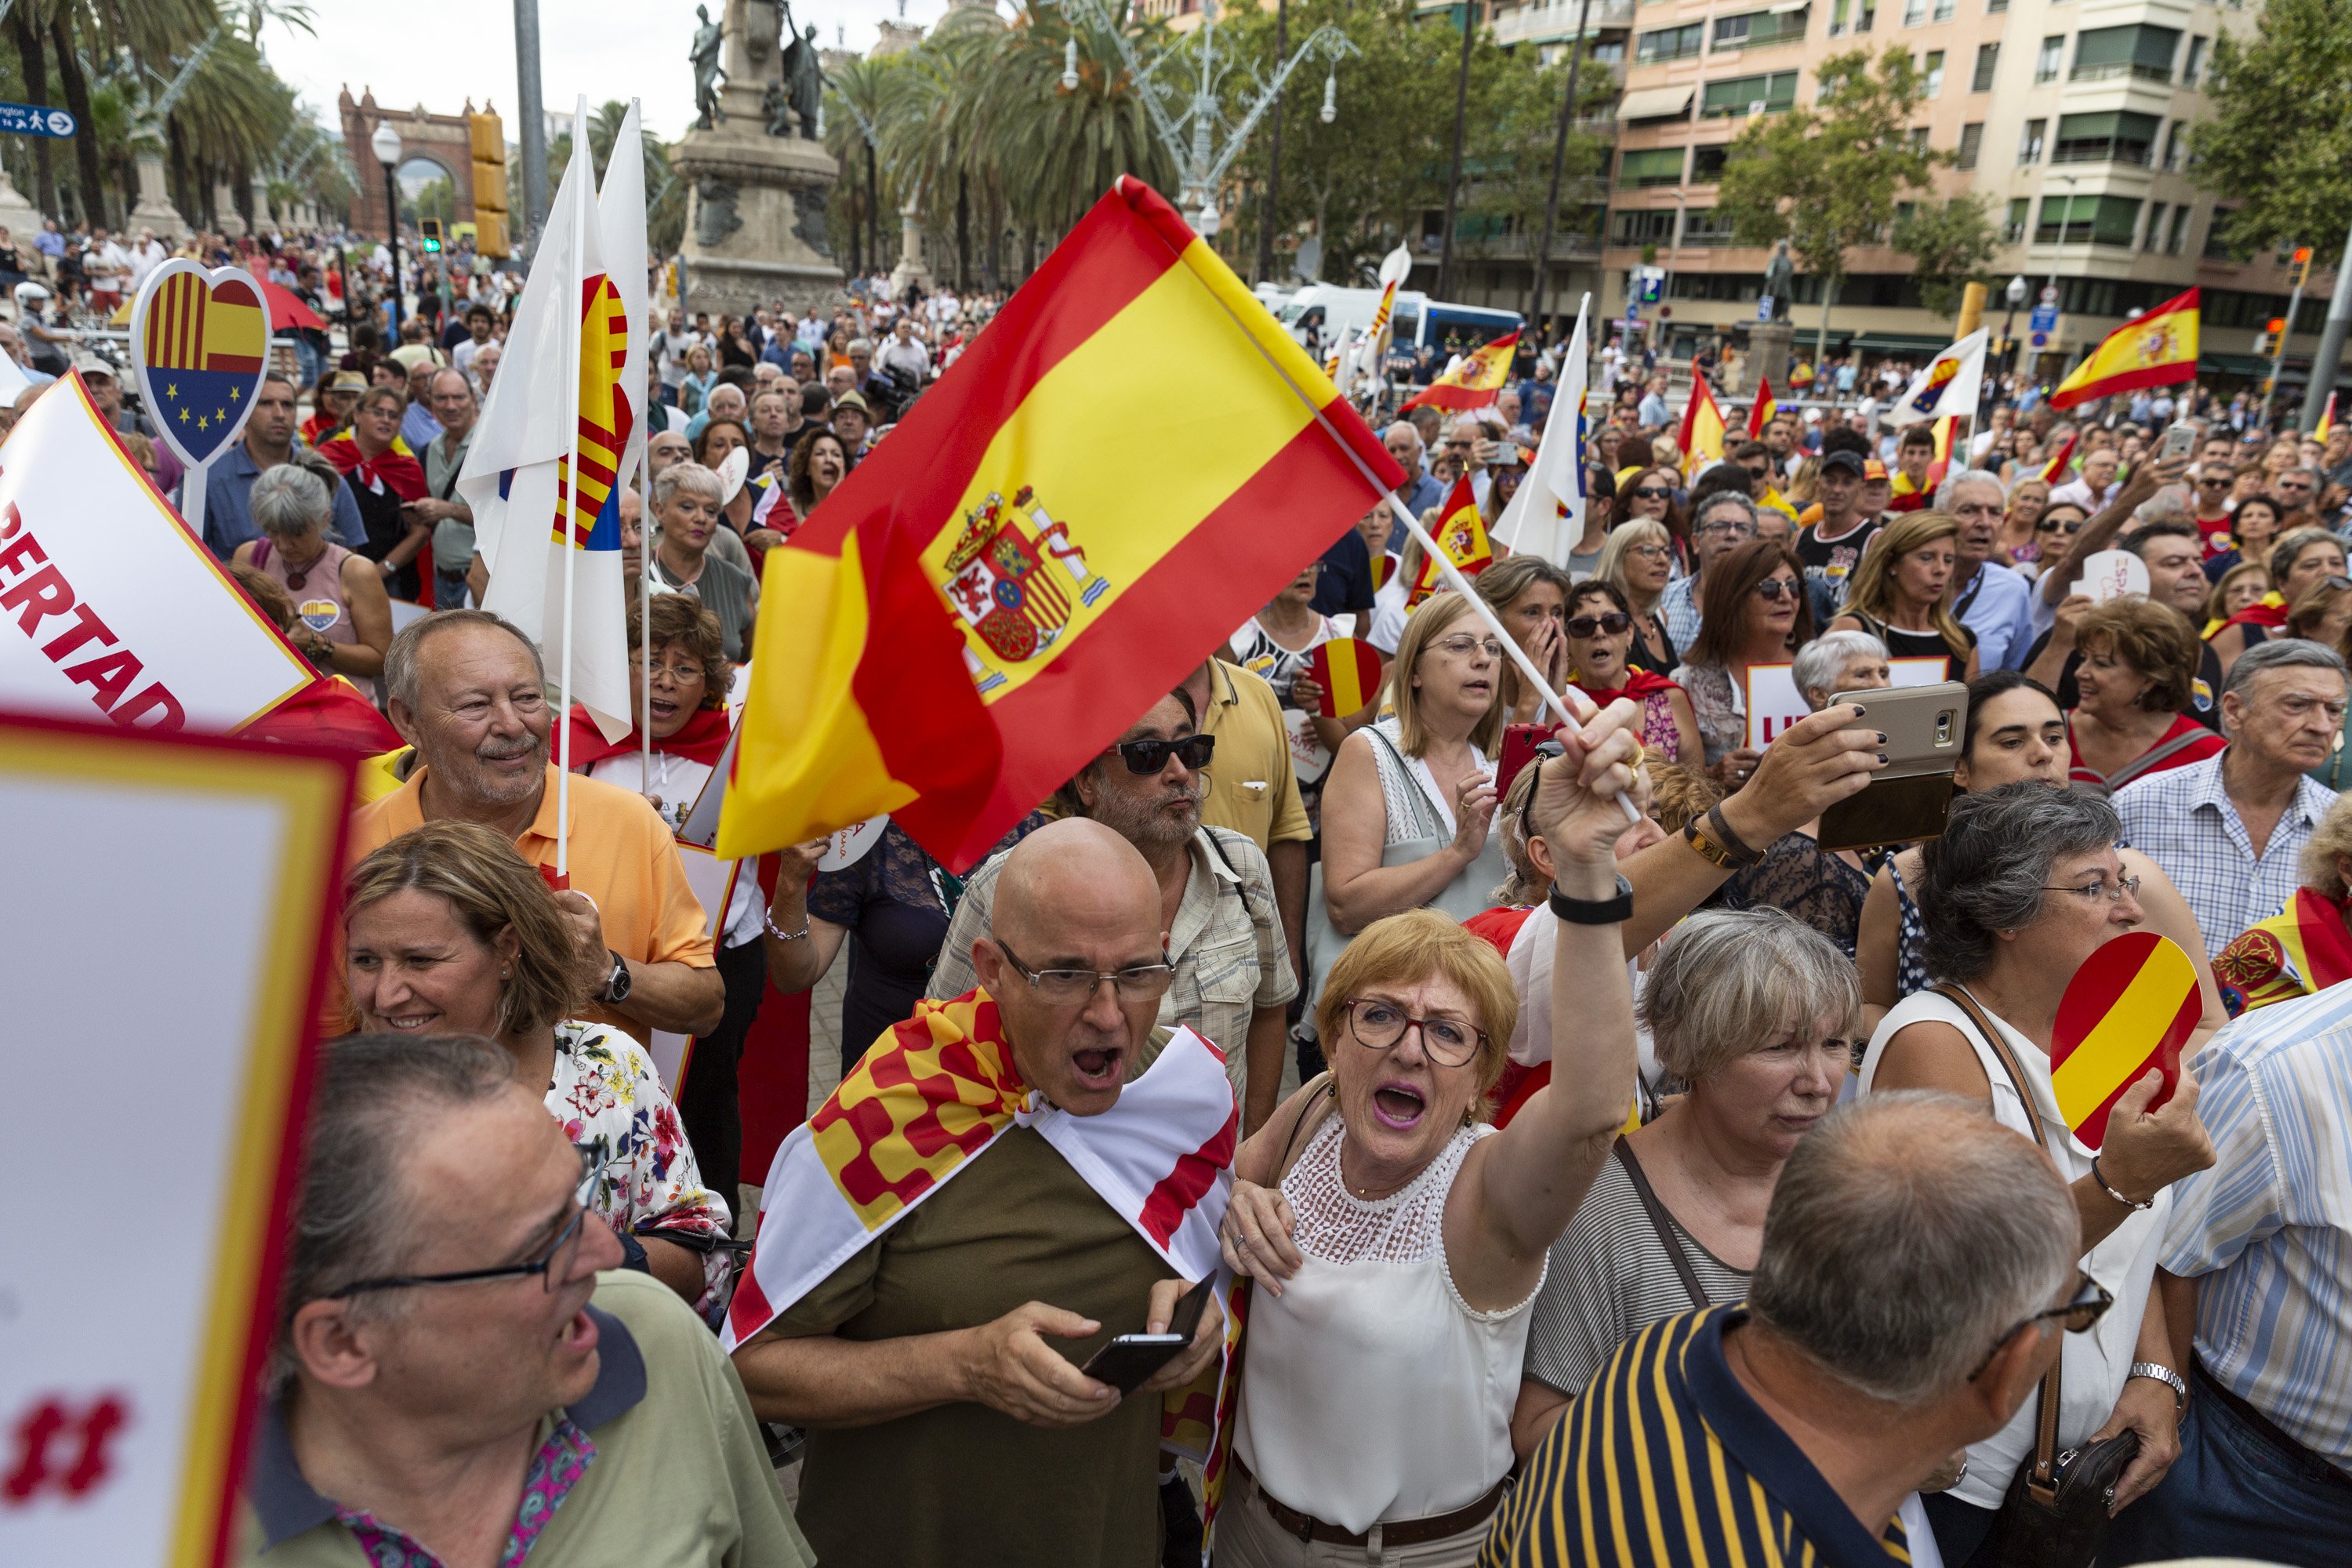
(1732, 982)
(1737, 499)
(722, 389)
(1959, 477)
(1406, 426)
(289, 499)
(451, 371)
(353, 1218)
(1818, 663)
(1989, 871)
(401, 678)
(2277, 653)
(693, 479)
(1909, 1234)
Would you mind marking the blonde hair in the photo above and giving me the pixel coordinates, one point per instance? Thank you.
(1872, 590)
(1435, 616)
(2331, 840)
(1610, 568)
(2217, 602)
(1416, 945)
(492, 890)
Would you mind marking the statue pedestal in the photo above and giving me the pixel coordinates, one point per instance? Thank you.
(17, 214)
(1767, 357)
(755, 231)
(155, 209)
(910, 270)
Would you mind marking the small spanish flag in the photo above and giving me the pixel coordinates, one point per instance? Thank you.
(2153, 349)
(1461, 532)
(1476, 383)
(1385, 567)
(2054, 471)
(1760, 414)
(2319, 432)
(1349, 671)
(2131, 1005)
(1126, 466)
(1702, 433)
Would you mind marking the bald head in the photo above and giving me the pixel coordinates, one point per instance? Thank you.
(1071, 876)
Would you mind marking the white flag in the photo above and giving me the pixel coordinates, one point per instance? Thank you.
(621, 225)
(1550, 506)
(570, 325)
(1365, 373)
(1949, 385)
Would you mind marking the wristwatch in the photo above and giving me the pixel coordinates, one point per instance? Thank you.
(2163, 1375)
(1594, 911)
(617, 984)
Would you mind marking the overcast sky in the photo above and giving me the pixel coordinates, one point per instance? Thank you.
(443, 51)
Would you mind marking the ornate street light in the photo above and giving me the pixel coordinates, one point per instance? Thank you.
(385, 143)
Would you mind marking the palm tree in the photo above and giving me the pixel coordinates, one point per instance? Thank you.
(1062, 149)
(863, 193)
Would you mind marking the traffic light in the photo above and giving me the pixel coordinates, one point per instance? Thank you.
(490, 150)
(430, 229)
(2268, 338)
(2302, 264)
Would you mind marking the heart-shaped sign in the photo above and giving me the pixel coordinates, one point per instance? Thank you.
(200, 344)
(1349, 671)
(2131, 1006)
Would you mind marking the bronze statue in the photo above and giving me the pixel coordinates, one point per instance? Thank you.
(704, 53)
(774, 104)
(803, 74)
(1779, 278)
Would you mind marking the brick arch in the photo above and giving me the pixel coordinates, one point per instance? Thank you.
(443, 139)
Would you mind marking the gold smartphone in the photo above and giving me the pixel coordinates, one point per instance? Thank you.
(1909, 798)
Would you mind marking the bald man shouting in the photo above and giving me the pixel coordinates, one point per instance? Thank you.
(938, 1368)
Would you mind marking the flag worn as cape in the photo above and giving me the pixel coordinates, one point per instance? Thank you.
(394, 468)
(2303, 948)
(1476, 383)
(2153, 349)
(2269, 612)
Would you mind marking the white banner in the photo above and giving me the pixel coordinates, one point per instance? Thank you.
(111, 608)
(1774, 702)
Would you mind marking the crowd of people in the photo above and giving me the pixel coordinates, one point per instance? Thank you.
(1680, 1190)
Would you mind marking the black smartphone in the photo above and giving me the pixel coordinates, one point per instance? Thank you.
(1130, 1359)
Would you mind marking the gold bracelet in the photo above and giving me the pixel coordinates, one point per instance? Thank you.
(1708, 847)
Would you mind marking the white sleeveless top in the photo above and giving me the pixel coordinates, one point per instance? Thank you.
(2098, 1362)
(1370, 1391)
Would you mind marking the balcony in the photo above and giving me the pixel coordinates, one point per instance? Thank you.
(1550, 21)
(2108, 70)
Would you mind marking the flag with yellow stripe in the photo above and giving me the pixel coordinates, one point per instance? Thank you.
(1349, 671)
(1476, 381)
(1130, 462)
(2129, 1007)
(2303, 948)
(1461, 532)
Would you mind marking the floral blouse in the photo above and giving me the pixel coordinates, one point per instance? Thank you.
(608, 1094)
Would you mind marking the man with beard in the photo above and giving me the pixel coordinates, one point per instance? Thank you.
(467, 690)
(1233, 977)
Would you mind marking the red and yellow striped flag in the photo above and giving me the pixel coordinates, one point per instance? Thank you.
(2153, 349)
(1461, 532)
(1476, 383)
(2131, 1005)
(2303, 948)
(2055, 471)
(1759, 414)
(1128, 463)
(1349, 671)
(2326, 425)
(1702, 432)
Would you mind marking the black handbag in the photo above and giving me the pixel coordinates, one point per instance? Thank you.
(2055, 1514)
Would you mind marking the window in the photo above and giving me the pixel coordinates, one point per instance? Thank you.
(2172, 144)
(1995, 7)
(2013, 231)
(1700, 227)
(2087, 220)
(2196, 60)
(1754, 30)
(2217, 244)
(1749, 95)
(1932, 75)
(2029, 142)
(1643, 170)
(2138, 50)
(1647, 226)
(1917, 138)
(1864, 12)
(1611, 53)
(1971, 145)
(2179, 235)
(1943, 10)
(1913, 12)
(2111, 136)
(1988, 57)
(1707, 164)
(2155, 229)
(2052, 56)
(1670, 43)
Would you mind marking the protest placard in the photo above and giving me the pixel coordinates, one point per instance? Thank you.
(167, 1042)
(1774, 702)
(2110, 574)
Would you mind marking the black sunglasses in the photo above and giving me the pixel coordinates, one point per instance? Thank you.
(556, 1260)
(1651, 493)
(1612, 623)
(1148, 757)
(1774, 589)
(2073, 526)
(2085, 1307)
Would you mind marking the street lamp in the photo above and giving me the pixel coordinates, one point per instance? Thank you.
(2015, 295)
(1070, 63)
(1331, 110)
(385, 145)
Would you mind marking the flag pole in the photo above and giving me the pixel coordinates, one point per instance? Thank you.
(645, 616)
(568, 501)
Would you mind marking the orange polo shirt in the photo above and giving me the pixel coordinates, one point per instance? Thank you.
(622, 857)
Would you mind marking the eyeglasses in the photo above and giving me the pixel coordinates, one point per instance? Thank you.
(2066, 528)
(1464, 646)
(2102, 889)
(1148, 757)
(1776, 588)
(677, 672)
(1612, 623)
(1730, 529)
(1379, 1026)
(1651, 493)
(548, 1264)
(1649, 552)
(1069, 987)
(2089, 1304)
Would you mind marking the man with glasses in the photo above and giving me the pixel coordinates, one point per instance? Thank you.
(462, 1371)
(2298, 491)
(1917, 1278)
(1990, 599)
(1232, 980)
(1756, 459)
(2213, 505)
(1720, 524)
(2230, 831)
(936, 1366)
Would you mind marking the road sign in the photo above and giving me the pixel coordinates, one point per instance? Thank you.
(2049, 294)
(2045, 316)
(35, 119)
(2039, 340)
(1764, 303)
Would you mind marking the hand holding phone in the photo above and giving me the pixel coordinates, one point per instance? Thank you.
(1130, 1360)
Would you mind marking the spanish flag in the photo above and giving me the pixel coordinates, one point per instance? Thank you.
(2150, 350)
(1126, 465)
(2319, 432)
(1476, 383)
(1760, 414)
(2303, 948)
(2054, 471)
(1461, 532)
(1702, 433)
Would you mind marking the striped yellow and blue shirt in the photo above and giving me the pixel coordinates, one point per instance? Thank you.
(1666, 1462)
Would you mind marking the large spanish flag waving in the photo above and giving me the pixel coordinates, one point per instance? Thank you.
(1476, 383)
(2150, 350)
(1128, 463)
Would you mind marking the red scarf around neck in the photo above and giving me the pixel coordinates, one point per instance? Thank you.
(701, 739)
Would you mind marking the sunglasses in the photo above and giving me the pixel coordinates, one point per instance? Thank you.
(2088, 1305)
(1611, 623)
(2074, 527)
(1148, 757)
(1775, 589)
(1651, 493)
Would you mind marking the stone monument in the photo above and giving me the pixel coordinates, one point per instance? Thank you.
(1768, 339)
(756, 180)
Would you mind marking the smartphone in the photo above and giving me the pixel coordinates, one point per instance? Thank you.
(2179, 440)
(1910, 797)
(1519, 744)
(1130, 1359)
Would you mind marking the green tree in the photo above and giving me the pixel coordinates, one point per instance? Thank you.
(2279, 140)
(1827, 179)
(1949, 244)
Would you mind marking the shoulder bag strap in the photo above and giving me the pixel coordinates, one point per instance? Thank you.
(1311, 1114)
(1435, 820)
(2147, 759)
(1661, 1222)
(2044, 1482)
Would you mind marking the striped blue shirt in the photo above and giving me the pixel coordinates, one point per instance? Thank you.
(1666, 1461)
(2269, 1227)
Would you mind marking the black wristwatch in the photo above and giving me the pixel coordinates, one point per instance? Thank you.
(616, 984)
(1594, 911)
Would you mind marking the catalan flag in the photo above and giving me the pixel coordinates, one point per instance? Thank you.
(1476, 383)
(203, 340)
(1461, 532)
(2153, 349)
(1132, 461)
(1702, 433)
(1760, 413)
(2303, 948)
